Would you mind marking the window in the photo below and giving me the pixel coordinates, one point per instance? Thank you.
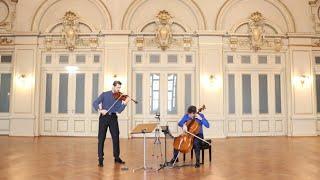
(278, 59)
(230, 59)
(231, 94)
(154, 93)
(80, 92)
(263, 59)
(63, 93)
(317, 59)
(277, 81)
(96, 58)
(246, 94)
(95, 89)
(172, 94)
(263, 93)
(187, 88)
(189, 59)
(138, 59)
(154, 58)
(64, 59)
(48, 59)
(245, 60)
(48, 93)
(5, 87)
(81, 59)
(139, 93)
(172, 58)
(6, 58)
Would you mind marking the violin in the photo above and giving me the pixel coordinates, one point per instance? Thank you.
(122, 97)
(184, 142)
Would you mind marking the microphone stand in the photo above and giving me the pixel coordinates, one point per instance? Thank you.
(165, 130)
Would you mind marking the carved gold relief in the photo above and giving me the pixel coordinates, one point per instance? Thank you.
(70, 29)
(70, 35)
(163, 35)
(5, 41)
(163, 31)
(257, 39)
(256, 28)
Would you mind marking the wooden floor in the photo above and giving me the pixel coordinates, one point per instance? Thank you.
(233, 158)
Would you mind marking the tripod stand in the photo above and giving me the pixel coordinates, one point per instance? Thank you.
(165, 130)
(157, 144)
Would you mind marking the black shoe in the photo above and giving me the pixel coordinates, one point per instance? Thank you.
(100, 163)
(172, 160)
(197, 165)
(118, 160)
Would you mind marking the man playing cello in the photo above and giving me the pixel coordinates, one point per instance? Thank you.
(199, 118)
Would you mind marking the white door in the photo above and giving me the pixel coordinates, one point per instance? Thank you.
(68, 93)
(255, 95)
(163, 84)
(5, 90)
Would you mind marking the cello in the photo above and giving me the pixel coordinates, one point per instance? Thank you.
(184, 142)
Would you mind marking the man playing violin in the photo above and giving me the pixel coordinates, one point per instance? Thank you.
(108, 107)
(200, 118)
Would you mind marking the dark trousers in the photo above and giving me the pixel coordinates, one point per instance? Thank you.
(110, 121)
(196, 147)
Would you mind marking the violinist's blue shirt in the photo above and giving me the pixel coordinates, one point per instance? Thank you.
(106, 99)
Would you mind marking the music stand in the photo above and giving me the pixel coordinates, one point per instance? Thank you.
(144, 128)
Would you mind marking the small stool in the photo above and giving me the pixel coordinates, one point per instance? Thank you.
(203, 146)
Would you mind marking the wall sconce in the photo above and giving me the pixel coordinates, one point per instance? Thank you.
(187, 41)
(212, 79)
(24, 81)
(301, 80)
(140, 43)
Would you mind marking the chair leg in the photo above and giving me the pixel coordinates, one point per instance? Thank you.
(191, 153)
(184, 157)
(202, 156)
(210, 153)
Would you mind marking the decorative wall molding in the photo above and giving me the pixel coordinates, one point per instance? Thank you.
(163, 37)
(45, 5)
(199, 15)
(315, 14)
(70, 35)
(6, 41)
(256, 39)
(8, 16)
(284, 10)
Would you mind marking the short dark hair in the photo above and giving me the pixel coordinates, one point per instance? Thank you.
(192, 109)
(116, 82)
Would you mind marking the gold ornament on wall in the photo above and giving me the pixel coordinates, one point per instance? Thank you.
(163, 38)
(69, 37)
(257, 39)
(164, 31)
(70, 30)
(256, 30)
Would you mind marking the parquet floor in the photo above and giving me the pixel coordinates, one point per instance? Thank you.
(233, 159)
